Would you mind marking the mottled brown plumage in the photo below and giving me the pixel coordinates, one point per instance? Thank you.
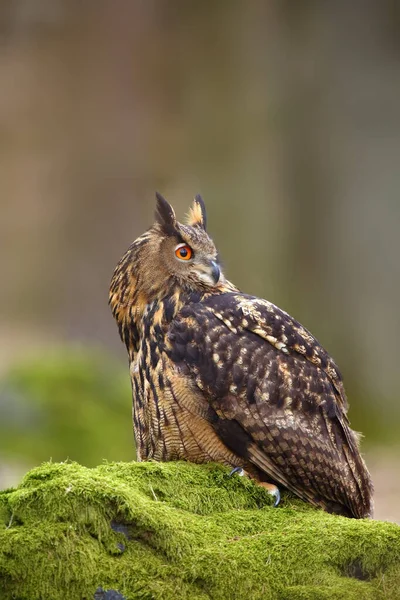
(218, 375)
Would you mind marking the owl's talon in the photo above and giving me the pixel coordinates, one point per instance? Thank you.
(276, 493)
(270, 487)
(273, 490)
(238, 470)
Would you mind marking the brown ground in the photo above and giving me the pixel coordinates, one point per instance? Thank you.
(385, 471)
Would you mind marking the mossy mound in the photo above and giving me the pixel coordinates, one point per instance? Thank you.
(59, 405)
(176, 530)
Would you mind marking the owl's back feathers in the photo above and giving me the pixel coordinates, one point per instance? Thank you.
(278, 396)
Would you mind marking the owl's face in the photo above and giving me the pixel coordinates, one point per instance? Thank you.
(169, 254)
(186, 252)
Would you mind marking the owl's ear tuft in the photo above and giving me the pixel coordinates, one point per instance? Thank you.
(197, 213)
(165, 214)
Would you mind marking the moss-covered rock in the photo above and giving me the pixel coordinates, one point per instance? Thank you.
(176, 530)
(58, 406)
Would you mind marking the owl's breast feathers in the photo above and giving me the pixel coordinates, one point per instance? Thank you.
(275, 398)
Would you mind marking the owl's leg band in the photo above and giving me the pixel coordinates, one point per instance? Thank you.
(272, 489)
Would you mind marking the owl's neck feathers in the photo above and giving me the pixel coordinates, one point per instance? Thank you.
(137, 291)
(137, 315)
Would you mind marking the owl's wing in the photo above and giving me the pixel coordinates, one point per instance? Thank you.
(277, 398)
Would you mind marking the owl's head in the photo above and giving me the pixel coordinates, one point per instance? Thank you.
(185, 252)
(167, 257)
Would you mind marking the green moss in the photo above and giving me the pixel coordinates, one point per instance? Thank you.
(58, 406)
(183, 531)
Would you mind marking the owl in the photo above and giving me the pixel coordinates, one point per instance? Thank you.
(220, 375)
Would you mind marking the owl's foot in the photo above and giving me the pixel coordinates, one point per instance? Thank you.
(270, 487)
(238, 470)
(273, 490)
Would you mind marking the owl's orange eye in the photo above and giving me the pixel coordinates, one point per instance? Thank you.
(184, 252)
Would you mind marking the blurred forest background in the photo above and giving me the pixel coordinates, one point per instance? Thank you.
(284, 115)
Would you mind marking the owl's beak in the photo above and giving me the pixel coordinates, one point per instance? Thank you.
(215, 271)
(208, 271)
